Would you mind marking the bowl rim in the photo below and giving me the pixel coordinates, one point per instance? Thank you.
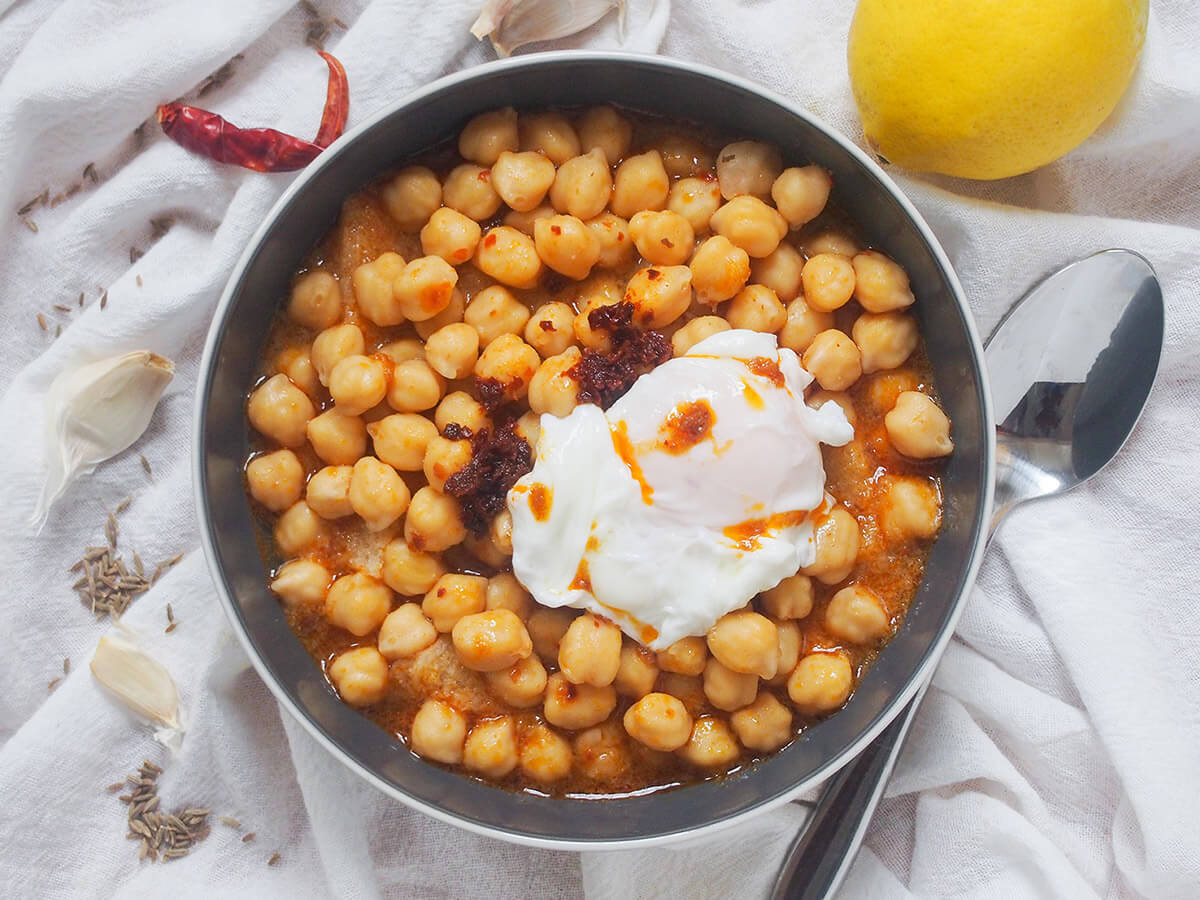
(900, 699)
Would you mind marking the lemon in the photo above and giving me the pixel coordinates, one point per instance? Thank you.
(989, 88)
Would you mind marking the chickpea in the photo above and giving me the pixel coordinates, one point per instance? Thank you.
(781, 271)
(328, 492)
(885, 340)
(659, 721)
(688, 688)
(792, 598)
(803, 325)
(857, 615)
(276, 480)
(833, 360)
(801, 193)
(917, 427)
(603, 128)
(405, 632)
(602, 752)
(510, 361)
(360, 676)
(522, 686)
(747, 167)
(820, 683)
(766, 724)
(415, 387)
(403, 350)
(837, 242)
(529, 429)
(828, 281)
(372, 282)
(552, 389)
(842, 399)
(696, 331)
(316, 300)
(687, 656)
(711, 744)
(461, 409)
(524, 221)
(500, 532)
(400, 440)
(451, 315)
(487, 136)
(757, 308)
(469, 190)
(338, 439)
(439, 732)
(522, 179)
(425, 287)
(450, 235)
(333, 345)
(790, 642)
(641, 182)
(719, 270)
(550, 134)
(297, 365)
(357, 383)
(885, 388)
(683, 156)
(434, 521)
(279, 410)
(727, 689)
(495, 311)
(663, 238)
(880, 284)
(505, 592)
(481, 547)
(911, 508)
(452, 597)
(545, 754)
(509, 256)
(746, 642)
(660, 295)
(590, 651)
(302, 582)
(549, 331)
(594, 338)
(377, 493)
(491, 747)
(566, 245)
(546, 627)
(298, 528)
(696, 199)
(582, 186)
(410, 572)
(452, 351)
(836, 538)
(616, 246)
(637, 671)
(443, 458)
(358, 603)
(750, 224)
(412, 196)
(574, 706)
(491, 640)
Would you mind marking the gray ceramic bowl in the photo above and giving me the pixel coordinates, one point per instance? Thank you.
(310, 207)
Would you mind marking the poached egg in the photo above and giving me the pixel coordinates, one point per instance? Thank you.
(690, 495)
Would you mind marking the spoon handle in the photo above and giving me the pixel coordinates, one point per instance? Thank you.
(821, 854)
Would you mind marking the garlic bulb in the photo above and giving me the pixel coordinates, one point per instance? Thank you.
(94, 412)
(138, 680)
(512, 23)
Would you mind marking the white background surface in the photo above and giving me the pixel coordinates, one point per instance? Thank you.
(1058, 753)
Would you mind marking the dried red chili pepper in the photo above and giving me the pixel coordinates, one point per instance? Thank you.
(260, 149)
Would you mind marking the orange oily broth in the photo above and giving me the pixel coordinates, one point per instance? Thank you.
(891, 568)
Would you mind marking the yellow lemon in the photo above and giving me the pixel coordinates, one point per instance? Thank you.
(989, 88)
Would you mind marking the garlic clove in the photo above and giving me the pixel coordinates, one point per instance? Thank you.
(512, 23)
(94, 412)
(138, 680)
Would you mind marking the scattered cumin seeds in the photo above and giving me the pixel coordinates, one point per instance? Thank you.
(146, 465)
(170, 628)
(123, 505)
(62, 308)
(228, 820)
(111, 530)
(273, 860)
(28, 207)
(174, 560)
(170, 613)
(104, 300)
(41, 320)
(248, 836)
(53, 684)
(66, 665)
(81, 296)
(115, 786)
(29, 223)
(339, 23)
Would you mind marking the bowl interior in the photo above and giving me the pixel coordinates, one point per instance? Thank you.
(309, 210)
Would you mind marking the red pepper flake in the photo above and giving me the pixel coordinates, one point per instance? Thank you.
(604, 377)
(485, 176)
(499, 456)
(259, 149)
(489, 240)
(555, 230)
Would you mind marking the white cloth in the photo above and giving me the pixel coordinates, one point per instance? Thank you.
(1057, 753)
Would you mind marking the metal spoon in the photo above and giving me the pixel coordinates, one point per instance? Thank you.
(1071, 366)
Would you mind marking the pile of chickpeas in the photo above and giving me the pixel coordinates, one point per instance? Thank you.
(489, 271)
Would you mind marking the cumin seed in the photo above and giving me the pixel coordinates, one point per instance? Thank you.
(89, 172)
(115, 786)
(58, 330)
(28, 207)
(81, 296)
(170, 628)
(62, 308)
(134, 255)
(146, 465)
(41, 320)
(53, 684)
(139, 280)
(228, 820)
(273, 860)
(170, 613)
(123, 505)
(339, 23)
(248, 837)
(66, 665)
(104, 300)
(29, 223)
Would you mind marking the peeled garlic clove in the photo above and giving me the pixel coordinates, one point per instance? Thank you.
(138, 680)
(513, 23)
(96, 411)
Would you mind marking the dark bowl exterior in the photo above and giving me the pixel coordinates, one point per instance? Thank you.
(311, 207)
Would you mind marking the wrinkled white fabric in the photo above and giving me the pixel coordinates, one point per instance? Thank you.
(1056, 754)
